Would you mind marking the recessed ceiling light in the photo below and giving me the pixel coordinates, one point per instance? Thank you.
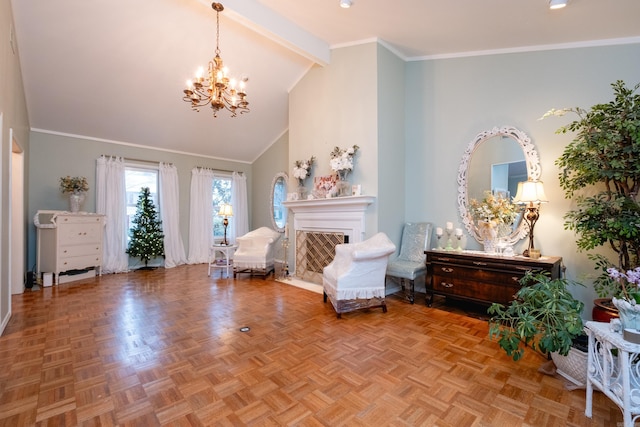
(346, 4)
(557, 4)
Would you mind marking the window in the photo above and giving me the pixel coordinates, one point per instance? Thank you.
(135, 179)
(221, 194)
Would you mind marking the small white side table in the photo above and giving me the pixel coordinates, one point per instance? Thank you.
(223, 263)
(613, 367)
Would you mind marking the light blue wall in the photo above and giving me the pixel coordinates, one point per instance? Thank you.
(53, 156)
(450, 100)
(264, 169)
(390, 153)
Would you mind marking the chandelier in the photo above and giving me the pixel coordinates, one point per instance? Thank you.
(216, 88)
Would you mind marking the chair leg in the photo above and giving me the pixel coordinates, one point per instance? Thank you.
(384, 307)
(412, 292)
(324, 295)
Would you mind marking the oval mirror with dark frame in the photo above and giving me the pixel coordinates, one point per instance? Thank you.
(279, 195)
(496, 160)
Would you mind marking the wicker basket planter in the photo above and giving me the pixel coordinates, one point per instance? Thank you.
(573, 366)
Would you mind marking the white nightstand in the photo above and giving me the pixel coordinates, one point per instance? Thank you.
(223, 263)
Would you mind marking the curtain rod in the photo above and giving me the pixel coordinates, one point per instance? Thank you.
(217, 170)
(129, 159)
(154, 162)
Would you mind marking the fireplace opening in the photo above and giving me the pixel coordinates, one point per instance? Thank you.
(315, 250)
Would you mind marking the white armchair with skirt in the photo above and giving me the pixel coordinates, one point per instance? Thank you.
(355, 278)
(256, 252)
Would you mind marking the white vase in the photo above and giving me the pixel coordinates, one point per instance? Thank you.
(75, 201)
(489, 235)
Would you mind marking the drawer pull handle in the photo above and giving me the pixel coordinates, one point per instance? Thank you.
(515, 279)
(479, 263)
(446, 285)
(447, 269)
(443, 259)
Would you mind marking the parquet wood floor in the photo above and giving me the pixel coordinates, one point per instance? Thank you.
(164, 348)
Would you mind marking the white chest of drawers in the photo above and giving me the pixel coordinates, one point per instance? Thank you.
(68, 241)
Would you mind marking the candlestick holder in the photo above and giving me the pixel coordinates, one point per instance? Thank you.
(449, 246)
(285, 265)
(459, 247)
(439, 237)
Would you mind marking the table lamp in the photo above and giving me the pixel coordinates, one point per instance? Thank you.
(225, 211)
(530, 193)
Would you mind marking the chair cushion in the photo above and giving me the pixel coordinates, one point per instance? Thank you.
(406, 269)
(415, 240)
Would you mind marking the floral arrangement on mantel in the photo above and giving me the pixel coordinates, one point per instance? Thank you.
(342, 160)
(302, 169)
(493, 211)
(74, 185)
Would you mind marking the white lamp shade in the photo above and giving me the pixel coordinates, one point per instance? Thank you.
(530, 192)
(225, 210)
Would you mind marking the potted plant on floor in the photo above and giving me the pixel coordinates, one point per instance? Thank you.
(545, 317)
(601, 172)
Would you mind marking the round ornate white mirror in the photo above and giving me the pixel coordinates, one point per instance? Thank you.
(279, 195)
(496, 160)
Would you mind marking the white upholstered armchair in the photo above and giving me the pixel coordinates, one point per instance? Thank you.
(256, 252)
(355, 277)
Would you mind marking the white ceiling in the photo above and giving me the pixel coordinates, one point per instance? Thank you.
(115, 69)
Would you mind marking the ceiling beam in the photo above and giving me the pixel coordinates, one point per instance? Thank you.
(264, 21)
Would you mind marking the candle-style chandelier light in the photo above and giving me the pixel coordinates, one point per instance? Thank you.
(216, 88)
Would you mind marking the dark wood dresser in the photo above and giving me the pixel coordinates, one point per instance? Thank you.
(479, 277)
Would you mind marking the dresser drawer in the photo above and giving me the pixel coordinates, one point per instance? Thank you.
(79, 233)
(498, 291)
(80, 250)
(80, 262)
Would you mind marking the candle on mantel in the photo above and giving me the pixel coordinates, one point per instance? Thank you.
(439, 231)
(458, 231)
(449, 225)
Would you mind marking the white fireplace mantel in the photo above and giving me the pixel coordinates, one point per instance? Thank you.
(338, 214)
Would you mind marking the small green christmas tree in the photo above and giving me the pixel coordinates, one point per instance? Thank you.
(147, 240)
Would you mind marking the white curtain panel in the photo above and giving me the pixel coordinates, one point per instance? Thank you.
(200, 215)
(174, 253)
(110, 201)
(240, 206)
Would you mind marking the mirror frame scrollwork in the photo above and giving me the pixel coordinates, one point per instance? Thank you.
(533, 172)
(276, 178)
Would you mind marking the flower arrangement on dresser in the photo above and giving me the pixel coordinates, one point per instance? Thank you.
(75, 187)
(493, 216)
(73, 184)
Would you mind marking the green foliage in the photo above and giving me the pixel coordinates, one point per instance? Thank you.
(544, 316)
(601, 170)
(147, 240)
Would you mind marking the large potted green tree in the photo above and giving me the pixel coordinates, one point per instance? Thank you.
(600, 171)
